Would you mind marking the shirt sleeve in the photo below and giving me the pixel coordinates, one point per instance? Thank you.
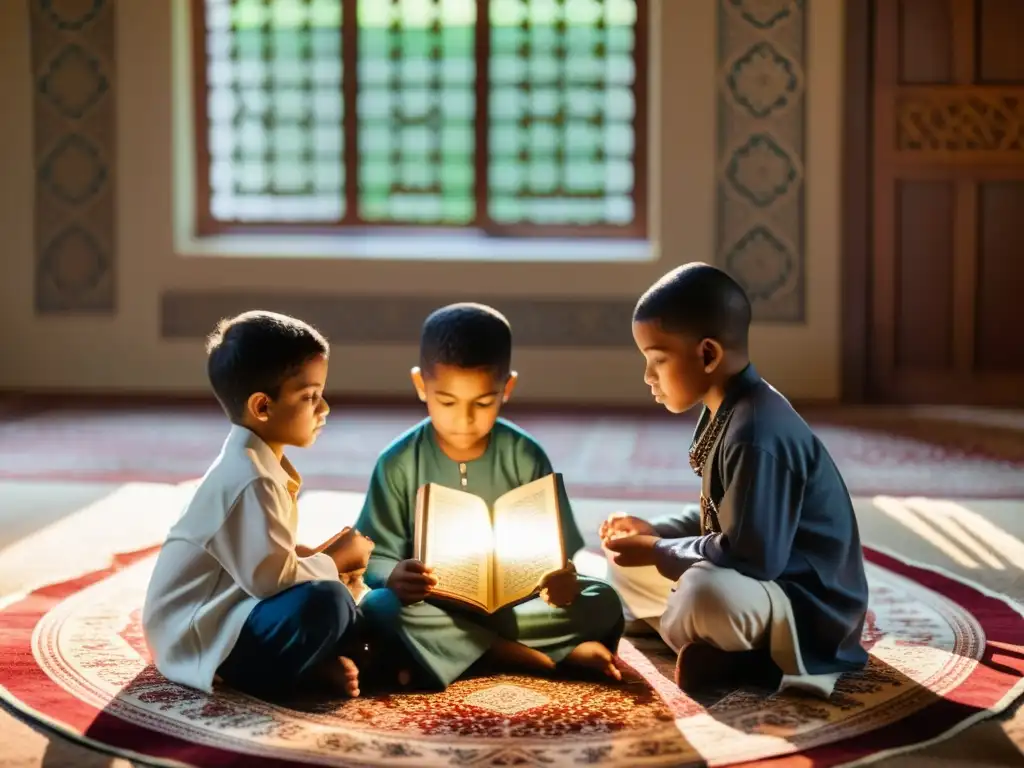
(387, 519)
(256, 544)
(536, 466)
(672, 557)
(681, 524)
(759, 514)
(681, 543)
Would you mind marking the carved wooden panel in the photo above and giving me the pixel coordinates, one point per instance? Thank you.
(1000, 23)
(999, 344)
(924, 277)
(926, 47)
(948, 198)
(962, 120)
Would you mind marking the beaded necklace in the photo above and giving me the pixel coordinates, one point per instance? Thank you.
(699, 452)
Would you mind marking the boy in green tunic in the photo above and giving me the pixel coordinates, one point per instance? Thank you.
(464, 377)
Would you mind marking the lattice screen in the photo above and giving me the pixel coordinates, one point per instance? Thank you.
(275, 110)
(417, 105)
(559, 112)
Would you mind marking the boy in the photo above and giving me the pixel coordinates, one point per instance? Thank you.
(230, 596)
(769, 568)
(464, 377)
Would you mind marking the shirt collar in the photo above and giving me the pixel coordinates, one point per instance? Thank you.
(735, 389)
(280, 471)
(739, 385)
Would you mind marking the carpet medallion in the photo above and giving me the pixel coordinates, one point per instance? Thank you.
(943, 654)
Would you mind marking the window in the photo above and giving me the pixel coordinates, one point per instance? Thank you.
(512, 117)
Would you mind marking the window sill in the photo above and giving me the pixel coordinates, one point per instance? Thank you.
(416, 246)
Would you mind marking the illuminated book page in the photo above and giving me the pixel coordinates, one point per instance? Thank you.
(457, 543)
(528, 539)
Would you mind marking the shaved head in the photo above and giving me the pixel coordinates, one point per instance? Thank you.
(701, 301)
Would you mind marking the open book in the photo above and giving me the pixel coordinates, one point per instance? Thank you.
(487, 559)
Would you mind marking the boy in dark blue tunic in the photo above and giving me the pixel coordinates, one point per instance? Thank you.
(767, 575)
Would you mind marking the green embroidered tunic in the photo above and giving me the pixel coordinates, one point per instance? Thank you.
(444, 640)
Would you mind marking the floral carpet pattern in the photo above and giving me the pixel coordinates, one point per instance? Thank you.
(943, 654)
(634, 456)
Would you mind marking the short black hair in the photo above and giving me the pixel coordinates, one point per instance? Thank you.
(256, 352)
(467, 335)
(701, 300)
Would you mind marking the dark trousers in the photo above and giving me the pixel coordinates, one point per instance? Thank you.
(287, 636)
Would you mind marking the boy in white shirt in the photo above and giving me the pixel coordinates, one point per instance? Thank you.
(231, 595)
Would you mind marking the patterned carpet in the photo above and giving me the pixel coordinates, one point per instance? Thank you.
(944, 654)
(979, 540)
(609, 455)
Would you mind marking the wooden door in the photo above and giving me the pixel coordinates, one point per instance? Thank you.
(947, 277)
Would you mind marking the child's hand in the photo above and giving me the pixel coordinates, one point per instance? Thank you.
(559, 589)
(619, 524)
(304, 551)
(633, 551)
(352, 578)
(412, 581)
(350, 550)
(353, 581)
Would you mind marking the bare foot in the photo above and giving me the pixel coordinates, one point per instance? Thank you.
(593, 655)
(342, 675)
(508, 654)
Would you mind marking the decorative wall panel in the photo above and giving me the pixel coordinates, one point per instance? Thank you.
(371, 320)
(73, 65)
(760, 185)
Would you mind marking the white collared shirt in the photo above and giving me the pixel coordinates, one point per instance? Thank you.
(233, 546)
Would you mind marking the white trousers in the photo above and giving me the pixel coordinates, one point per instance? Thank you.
(717, 606)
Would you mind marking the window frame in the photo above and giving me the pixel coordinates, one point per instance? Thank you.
(352, 224)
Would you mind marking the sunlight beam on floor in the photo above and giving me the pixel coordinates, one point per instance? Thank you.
(132, 517)
(975, 526)
(898, 511)
(956, 531)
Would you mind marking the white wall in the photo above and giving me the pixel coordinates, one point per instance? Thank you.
(125, 352)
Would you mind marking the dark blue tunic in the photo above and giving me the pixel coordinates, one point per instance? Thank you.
(784, 514)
